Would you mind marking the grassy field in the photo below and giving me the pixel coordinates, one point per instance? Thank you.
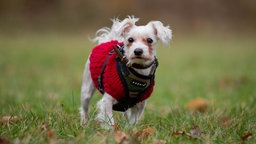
(40, 79)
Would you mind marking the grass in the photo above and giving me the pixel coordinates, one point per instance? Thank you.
(41, 78)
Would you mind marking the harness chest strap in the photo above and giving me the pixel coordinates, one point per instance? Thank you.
(135, 86)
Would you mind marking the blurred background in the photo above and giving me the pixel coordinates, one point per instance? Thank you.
(80, 16)
(45, 43)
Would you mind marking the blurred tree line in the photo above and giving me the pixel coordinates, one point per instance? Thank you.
(88, 14)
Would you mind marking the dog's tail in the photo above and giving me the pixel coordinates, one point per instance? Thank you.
(115, 32)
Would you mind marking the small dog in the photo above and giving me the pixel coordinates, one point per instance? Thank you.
(122, 67)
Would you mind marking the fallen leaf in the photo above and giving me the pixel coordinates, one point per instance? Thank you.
(198, 104)
(143, 134)
(121, 137)
(149, 130)
(175, 133)
(115, 126)
(4, 140)
(10, 119)
(137, 133)
(232, 83)
(195, 131)
(225, 121)
(247, 136)
(50, 134)
(43, 126)
(224, 83)
(182, 132)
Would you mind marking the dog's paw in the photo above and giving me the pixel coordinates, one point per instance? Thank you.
(83, 121)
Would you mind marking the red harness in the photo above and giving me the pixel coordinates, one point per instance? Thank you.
(111, 81)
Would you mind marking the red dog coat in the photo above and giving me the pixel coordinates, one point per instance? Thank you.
(111, 80)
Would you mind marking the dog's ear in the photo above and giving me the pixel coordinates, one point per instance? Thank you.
(123, 27)
(164, 33)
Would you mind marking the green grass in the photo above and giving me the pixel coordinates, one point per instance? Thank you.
(40, 79)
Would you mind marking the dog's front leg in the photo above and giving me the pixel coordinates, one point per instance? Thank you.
(105, 115)
(134, 114)
(87, 91)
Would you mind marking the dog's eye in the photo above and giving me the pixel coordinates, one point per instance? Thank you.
(130, 40)
(149, 40)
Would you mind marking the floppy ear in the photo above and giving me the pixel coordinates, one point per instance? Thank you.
(164, 33)
(123, 27)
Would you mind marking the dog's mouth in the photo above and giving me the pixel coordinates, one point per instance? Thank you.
(138, 57)
(141, 58)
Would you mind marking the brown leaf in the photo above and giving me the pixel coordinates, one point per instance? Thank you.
(115, 126)
(225, 121)
(195, 131)
(143, 134)
(43, 126)
(182, 132)
(50, 134)
(4, 140)
(149, 130)
(224, 83)
(247, 136)
(10, 119)
(137, 133)
(121, 137)
(198, 104)
(175, 133)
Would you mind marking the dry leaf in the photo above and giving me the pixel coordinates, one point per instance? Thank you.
(225, 121)
(178, 133)
(50, 134)
(175, 133)
(198, 104)
(4, 140)
(247, 136)
(121, 137)
(195, 131)
(137, 133)
(143, 134)
(149, 130)
(10, 119)
(115, 126)
(43, 126)
(232, 83)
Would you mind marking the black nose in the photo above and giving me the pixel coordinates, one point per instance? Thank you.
(138, 51)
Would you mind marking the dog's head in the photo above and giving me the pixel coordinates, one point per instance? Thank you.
(140, 41)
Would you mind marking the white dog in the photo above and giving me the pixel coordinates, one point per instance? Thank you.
(122, 67)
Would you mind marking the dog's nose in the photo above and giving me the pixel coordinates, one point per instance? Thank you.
(138, 51)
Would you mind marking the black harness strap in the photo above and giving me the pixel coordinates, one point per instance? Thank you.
(100, 78)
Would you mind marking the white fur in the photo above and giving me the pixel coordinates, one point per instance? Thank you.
(122, 31)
